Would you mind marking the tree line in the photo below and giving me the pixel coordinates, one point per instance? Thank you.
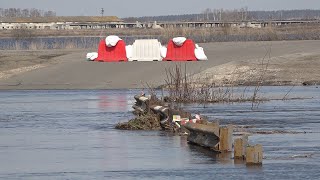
(242, 14)
(25, 13)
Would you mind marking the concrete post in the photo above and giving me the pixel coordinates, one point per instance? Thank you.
(240, 145)
(226, 135)
(250, 155)
(259, 152)
(254, 154)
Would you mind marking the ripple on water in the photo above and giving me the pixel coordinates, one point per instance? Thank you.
(71, 135)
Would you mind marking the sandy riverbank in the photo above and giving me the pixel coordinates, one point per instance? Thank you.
(290, 62)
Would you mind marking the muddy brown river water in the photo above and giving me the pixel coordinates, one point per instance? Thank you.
(71, 135)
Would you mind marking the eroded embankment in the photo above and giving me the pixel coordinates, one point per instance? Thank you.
(292, 69)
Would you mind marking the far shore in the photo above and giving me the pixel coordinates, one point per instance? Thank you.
(288, 63)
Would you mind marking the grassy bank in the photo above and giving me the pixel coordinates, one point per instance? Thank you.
(80, 39)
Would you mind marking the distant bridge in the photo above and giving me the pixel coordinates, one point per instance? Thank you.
(193, 24)
(94, 24)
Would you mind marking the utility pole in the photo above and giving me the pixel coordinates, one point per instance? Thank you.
(102, 11)
(242, 14)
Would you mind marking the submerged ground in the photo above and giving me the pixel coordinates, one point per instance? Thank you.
(289, 62)
(50, 134)
(70, 135)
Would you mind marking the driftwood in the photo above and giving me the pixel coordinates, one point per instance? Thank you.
(154, 114)
(149, 108)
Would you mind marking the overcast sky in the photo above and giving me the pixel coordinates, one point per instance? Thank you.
(127, 8)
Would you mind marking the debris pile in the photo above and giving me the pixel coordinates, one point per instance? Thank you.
(155, 114)
(143, 122)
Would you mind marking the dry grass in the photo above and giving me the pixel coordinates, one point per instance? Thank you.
(185, 88)
(89, 38)
(145, 122)
(32, 43)
(233, 34)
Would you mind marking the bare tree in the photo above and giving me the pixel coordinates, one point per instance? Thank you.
(35, 12)
(242, 14)
(17, 12)
(207, 13)
(25, 13)
(49, 14)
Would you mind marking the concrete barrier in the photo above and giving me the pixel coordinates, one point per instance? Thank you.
(203, 135)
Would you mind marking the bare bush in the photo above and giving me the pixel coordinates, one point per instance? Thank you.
(22, 33)
(184, 88)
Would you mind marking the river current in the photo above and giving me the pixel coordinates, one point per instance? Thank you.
(70, 135)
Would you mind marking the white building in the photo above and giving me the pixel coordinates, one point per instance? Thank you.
(57, 23)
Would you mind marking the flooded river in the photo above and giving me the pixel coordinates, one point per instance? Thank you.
(71, 135)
